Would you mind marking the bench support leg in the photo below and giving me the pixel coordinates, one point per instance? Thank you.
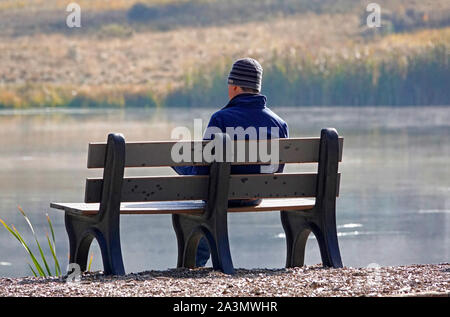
(80, 239)
(109, 243)
(297, 231)
(187, 240)
(325, 231)
(190, 229)
(212, 224)
(297, 227)
(321, 220)
(82, 231)
(105, 226)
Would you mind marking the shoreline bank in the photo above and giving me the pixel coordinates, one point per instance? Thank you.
(313, 281)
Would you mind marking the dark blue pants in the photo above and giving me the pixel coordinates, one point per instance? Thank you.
(203, 252)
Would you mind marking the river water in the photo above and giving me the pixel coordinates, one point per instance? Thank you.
(393, 209)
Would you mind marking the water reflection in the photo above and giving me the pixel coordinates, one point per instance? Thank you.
(393, 209)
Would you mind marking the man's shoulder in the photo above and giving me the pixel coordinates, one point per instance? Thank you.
(232, 112)
(224, 112)
(271, 113)
(220, 118)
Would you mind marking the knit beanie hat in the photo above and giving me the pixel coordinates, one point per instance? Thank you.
(247, 73)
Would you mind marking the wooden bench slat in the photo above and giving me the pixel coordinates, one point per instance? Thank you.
(155, 207)
(170, 188)
(189, 207)
(154, 154)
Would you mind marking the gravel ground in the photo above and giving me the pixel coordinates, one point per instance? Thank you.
(413, 280)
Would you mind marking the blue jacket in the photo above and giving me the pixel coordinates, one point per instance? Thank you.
(244, 110)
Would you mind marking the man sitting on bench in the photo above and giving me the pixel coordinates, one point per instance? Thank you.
(246, 108)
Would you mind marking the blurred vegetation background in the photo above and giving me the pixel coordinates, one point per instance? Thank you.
(151, 53)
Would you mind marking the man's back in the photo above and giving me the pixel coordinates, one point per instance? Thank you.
(247, 111)
(250, 113)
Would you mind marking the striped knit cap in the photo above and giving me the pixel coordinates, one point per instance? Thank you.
(247, 73)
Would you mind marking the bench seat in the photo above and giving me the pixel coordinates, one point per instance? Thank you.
(186, 207)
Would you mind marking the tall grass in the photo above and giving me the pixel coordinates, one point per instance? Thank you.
(396, 79)
(50, 96)
(40, 268)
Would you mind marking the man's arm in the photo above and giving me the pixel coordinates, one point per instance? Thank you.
(284, 136)
(191, 170)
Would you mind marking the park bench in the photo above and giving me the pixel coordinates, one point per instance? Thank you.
(199, 204)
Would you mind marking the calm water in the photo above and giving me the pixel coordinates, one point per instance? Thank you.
(394, 206)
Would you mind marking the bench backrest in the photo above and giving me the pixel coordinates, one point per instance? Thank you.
(115, 155)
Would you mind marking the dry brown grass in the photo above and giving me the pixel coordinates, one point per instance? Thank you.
(416, 39)
(160, 59)
(85, 4)
(125, 4)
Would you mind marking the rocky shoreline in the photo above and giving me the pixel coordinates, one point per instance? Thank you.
(314, 281)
